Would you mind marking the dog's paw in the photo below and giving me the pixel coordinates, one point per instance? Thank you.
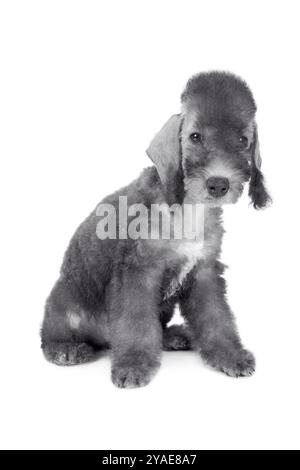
(176, 338)
(130, 377)
(239, 363)
(132, 372)
(68, 354)
(243, 365)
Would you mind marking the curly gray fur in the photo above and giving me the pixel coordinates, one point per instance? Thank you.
(111, 294)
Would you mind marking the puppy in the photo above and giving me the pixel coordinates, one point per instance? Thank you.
(119, 292)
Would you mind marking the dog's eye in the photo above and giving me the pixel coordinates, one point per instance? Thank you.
(243, 140)
(196, 137)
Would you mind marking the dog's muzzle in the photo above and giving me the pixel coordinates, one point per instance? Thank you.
(217, 187)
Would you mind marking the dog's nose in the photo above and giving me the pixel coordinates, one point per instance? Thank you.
(217, 187)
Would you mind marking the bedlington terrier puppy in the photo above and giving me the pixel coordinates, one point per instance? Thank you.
(118, 292)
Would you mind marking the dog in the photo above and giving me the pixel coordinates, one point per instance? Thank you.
(120, 293)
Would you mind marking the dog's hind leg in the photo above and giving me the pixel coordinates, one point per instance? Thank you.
(177, 338)
(65, 336)
(68, 353)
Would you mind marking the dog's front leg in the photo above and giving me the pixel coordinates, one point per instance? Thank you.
(136, 332)
(205, 307)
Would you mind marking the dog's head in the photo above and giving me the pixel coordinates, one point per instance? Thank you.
(210, 150)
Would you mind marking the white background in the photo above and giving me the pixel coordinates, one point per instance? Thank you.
(84, 85)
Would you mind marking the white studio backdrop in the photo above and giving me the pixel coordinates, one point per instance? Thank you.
(84, 85)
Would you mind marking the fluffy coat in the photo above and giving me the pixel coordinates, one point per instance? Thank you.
(120, 294)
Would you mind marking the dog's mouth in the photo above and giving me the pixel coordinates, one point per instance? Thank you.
(213, 201)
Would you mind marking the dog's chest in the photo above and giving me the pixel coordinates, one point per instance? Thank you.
(186, 255)
(179, 256)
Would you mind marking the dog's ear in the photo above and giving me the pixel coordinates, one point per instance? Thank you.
(257, 190)
(165, 152)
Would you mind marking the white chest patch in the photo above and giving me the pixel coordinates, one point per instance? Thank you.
(189, 252)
